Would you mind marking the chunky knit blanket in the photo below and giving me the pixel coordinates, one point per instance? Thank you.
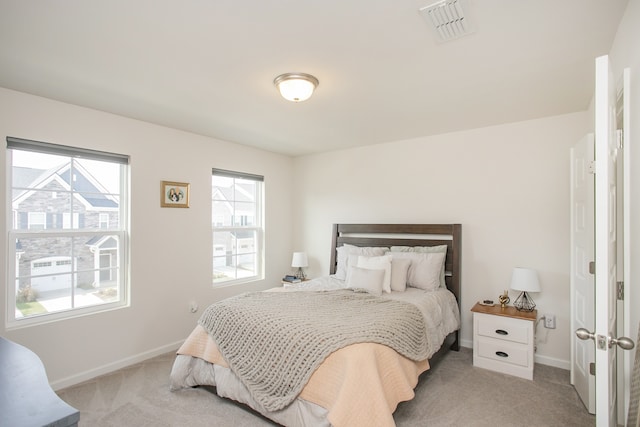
(274, 341)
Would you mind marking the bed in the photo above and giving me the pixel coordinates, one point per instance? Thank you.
(358, 340)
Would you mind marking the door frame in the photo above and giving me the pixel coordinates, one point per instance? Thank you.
(624, 89)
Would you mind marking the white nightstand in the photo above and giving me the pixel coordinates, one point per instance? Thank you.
(286, 284)
(503, 339)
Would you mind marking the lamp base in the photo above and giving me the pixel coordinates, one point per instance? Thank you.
(524, 302)
(300, 274)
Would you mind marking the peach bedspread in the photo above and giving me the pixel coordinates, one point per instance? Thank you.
(359, 385)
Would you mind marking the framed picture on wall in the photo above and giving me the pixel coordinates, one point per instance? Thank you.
(174, 194)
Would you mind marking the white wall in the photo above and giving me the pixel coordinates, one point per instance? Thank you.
(507, 185)
(171, 249)
(625, 53)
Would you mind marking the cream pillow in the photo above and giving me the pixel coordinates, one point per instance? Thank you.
(378, 263)
(425, 249)
(425, 269)
(399, 272)
(352, 261)
(345, 250)
(366, 279)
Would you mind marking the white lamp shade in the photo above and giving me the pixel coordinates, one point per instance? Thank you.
(299, 259)
(296, 87)
(525, 279)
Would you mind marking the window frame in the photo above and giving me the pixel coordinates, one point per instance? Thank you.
(121, 233)
(257, 228)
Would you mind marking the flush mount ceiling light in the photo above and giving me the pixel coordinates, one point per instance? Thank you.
(296, 87)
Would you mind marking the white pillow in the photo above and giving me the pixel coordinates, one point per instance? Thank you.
(366, 279)
(352, 261)
(399, 271)
(425, 249)
(425, 269)
(378, 263)
(345, 250)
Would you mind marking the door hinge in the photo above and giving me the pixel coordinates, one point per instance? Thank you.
(620, 138)
(620, 291)
(592, 267)
(591, 167)
(592, 368)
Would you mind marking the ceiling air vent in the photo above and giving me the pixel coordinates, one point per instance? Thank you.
(448, 19)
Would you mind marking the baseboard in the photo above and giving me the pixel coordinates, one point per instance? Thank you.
(552, 361)
(113, 366)
(466, 343)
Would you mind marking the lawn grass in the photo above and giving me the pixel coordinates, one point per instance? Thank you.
(29, 308)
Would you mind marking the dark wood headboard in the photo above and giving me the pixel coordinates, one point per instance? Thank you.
(387, 235)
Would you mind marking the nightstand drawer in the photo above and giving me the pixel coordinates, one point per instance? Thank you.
(502, 351)
(504, 328)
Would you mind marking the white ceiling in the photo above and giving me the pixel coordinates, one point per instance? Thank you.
(208, 66)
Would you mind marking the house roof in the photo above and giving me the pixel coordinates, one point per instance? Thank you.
(87, 187)
(239, 193)
(23, 176)
(104, 242)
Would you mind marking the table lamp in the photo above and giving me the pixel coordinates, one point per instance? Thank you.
(525, 280)
(300, 261)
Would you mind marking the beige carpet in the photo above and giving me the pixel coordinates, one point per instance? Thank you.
(452, 393)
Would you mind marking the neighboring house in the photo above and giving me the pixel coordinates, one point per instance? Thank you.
(42, 201)
(239, 199)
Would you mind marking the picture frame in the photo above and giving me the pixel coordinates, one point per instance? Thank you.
(174, 194)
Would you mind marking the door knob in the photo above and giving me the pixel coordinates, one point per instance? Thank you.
(622, 342)
(584, 334)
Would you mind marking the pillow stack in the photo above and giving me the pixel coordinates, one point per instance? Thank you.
(343, 257)
(377, 270)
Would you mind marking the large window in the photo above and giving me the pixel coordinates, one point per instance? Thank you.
(237, 222)
(67, 244)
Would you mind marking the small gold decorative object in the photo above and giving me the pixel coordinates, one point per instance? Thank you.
(504, 299)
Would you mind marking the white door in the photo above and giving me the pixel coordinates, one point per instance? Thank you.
(605, 246)
(607, 252)
(582, 280)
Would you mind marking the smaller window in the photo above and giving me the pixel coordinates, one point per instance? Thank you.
(104, 221)
(41, 264)
(37, 220)
(66, 221)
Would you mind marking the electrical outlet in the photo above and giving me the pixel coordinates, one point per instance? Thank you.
(193, 307)
(550, 321)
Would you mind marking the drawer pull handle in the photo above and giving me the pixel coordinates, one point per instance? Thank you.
(501, 354)
(501, 332)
